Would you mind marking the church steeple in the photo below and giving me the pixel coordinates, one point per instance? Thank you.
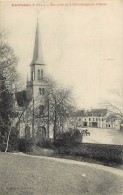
(37, 86)
(38, 69)
(37, 53)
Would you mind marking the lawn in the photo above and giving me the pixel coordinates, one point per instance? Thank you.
(24, 175)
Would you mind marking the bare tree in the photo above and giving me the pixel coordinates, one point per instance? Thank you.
(115, 107)
(60, 106)
(57, 110)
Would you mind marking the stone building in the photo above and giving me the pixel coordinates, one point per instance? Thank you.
(93, 118)
(97, 118)
(33, 122)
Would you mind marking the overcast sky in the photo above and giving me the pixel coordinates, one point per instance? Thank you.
(82, 46)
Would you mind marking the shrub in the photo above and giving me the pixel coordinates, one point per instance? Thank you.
(101, 152)
(59, 143)
(2, 147)
(25, 145)
(105, 153)
(68, 139)
(45, 143)
(13, 140)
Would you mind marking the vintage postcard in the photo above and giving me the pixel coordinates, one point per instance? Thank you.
(61, 97)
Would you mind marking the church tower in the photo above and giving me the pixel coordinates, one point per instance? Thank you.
(37, 67)
(35, 121)
(38, 87)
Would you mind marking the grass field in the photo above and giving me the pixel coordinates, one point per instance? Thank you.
(24, 175)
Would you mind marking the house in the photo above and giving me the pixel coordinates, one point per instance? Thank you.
(92, 118)
(97, 118)
(112, 121)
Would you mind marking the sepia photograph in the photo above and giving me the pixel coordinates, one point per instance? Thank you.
(61, 97)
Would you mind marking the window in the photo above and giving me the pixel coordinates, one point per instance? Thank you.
(41, 91)
(27, 131)
(38, 74)
(41, 109)
(42, 75)
(89, 119)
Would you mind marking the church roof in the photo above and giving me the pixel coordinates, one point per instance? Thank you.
(37, 53)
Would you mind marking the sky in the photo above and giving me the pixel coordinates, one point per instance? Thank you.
(82, 45)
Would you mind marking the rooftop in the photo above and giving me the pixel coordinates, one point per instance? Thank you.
(93, 112)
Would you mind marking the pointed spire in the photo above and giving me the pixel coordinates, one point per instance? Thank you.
(37, 53)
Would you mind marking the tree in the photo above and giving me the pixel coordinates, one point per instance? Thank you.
(60, 106)
(114, 110)
(56, 111)
(8, 62)
(8, 77)
(115, 106)
(5, 111)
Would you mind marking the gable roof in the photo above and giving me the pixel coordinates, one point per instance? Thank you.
(93, 112)
(99, 112)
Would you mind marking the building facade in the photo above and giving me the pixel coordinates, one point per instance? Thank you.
(33, 122)
(93, 118)
(97, 118)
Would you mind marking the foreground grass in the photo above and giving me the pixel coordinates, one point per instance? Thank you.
(22, 175)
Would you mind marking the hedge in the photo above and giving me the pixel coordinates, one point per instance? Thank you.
(101, 152)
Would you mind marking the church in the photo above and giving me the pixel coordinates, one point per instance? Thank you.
(33, 101)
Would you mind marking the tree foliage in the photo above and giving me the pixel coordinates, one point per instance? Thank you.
(8, 61)
(8, 77)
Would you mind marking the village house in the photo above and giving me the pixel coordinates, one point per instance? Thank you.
(97, 118)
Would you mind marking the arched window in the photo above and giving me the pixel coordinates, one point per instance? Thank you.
(43, 91)
(41, 109)
(38, 74)
(27, 131)
(40, 91)
(42, 75)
